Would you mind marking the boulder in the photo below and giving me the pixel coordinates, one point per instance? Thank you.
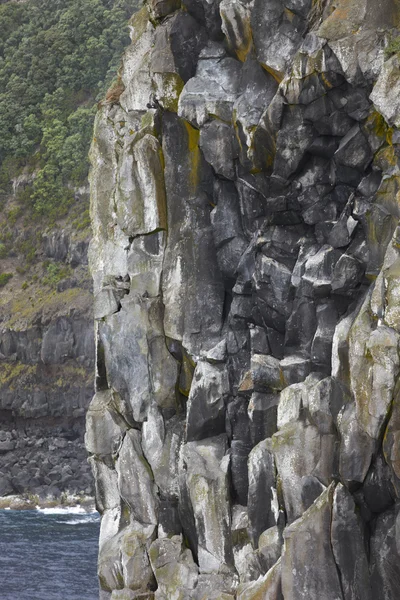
(308, 541)
(262, 502)
(348, 546)
(206, 403)
(206, 465)
(135, 480)
(300, 451)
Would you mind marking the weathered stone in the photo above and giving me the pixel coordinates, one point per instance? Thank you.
(299, 451)
(385, 94)
(212, 92)
(390, 443)
(349, 547)
(206, 403)
(129, 337)
(319, 269)
(262, 501)
(356, 448)
(207, 13)
(373, 373)
(162, 8)
(378, 490)
(247, 207)
(293, 140)
(174, 568)
(216, 586)
(277, 33)
(294, 369)
(218, 145)
(177, 45)
(106, 486)
(267, 587)
(207, 480)
(290, 404)
(236, 26)
(102, 433)
(161, 443)
(262, 411)
(189, 295)
(354, 150)
(385, 574)
(240, 451)
(258, 89)
(307, 541)
(270, 547)
(135, 480)
(140, 193)
(301, 326)
(321, 349)
(266, 373)
(272, 284)
(123, 559)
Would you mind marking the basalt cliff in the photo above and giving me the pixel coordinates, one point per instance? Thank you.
(245, 200)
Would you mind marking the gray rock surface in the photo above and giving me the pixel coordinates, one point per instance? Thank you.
(245, 429)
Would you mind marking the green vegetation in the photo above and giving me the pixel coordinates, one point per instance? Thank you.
(393, 47)
(57, 58)
(5, 278)
(55, 272)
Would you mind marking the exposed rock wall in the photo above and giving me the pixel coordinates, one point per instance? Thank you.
(46, 369)
(245, 205)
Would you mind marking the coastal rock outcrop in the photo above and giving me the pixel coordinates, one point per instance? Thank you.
(47, 360)
(245, 252)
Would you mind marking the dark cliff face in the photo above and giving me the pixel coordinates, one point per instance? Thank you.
(46, 368)
(245, 183)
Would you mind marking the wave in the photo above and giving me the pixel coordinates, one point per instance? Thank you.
(68, 510)
(92, 518)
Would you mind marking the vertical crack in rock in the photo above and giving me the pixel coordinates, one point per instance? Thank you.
(244, 434)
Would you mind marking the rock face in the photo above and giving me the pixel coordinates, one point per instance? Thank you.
(245, 207)
(46, 371)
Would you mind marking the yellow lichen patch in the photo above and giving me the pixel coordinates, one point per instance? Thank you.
(243, 51)
(377, 125)
(169, 87)
(25, 309)
(388, 195)
(327, 84)
(289, 14)
(277, 75)
(194, 154)
(186, 376)
(386, 158)
(12, 374)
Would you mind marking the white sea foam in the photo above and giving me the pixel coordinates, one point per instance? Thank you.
(68, 510)
(91, 518)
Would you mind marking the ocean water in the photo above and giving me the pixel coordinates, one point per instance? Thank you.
(48, 554)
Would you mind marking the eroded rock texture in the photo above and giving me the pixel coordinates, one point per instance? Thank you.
(245, 204)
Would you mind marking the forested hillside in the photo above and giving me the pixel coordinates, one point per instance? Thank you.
(56, 58)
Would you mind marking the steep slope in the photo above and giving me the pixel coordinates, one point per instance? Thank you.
(244, 201)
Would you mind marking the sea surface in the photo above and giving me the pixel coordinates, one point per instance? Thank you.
(48, 554)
